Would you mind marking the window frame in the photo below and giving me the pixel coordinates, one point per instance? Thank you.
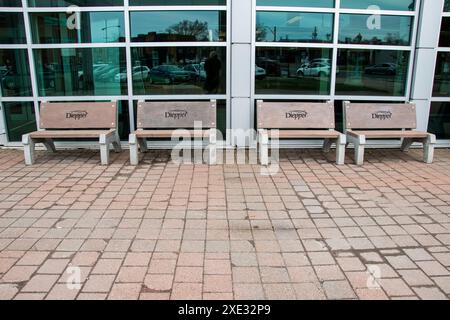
(128, 45)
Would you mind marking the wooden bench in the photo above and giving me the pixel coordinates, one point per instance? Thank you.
(164, 119)
(75, 120)
(385, 121)
(298, 121)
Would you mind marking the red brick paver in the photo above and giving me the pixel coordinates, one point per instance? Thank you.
(72, 229)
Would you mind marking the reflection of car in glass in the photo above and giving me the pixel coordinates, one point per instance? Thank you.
(139, 74)
(260, 73)
(316, 69)
(272, 67)
(383, 69)
(168, 74)
(322, 60)
(196, 71)
(109, 76)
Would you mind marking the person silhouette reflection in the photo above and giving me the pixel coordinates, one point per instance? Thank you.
(212, 69)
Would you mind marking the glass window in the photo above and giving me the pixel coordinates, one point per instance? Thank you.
(372, 72)
(12, 30)
(297, 3)
(444, 40)
(178, 3)
(293, 71)
(447, 6)
(402, 5)
(294, 27)
(80, 72)
(178, 70)
(62, 28)
(15, 73)
(20, 119)
(79, 3)
(10, 3)
(396, 30)
(439, 123)
(442, 76)
(162, 26)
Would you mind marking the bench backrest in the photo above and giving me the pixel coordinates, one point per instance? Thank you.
(295, 115)
(78, 115)
(176, 114)
(380, 115)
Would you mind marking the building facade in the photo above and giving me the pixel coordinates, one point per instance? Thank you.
(233, 51)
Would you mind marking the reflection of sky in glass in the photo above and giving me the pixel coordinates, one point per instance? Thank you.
(405, 5)
(395, 27)
(143, 23)
(106, 26)
(290, 26)
(297, 3)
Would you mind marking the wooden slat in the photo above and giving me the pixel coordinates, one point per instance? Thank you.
(380, 116)
(391, 134)
(176, 114)
(307, 134)
(168, 133)
(55, 134)
(295, 115)
(78, 115)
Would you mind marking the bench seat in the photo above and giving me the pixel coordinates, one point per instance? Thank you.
(169, 133)
(297, 120)
(164, 120)
(68, 134)
(389, 134)
(364, 121)
(75, 120)
(306, 134)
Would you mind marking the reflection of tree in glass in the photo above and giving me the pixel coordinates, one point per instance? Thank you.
(315, 34)
(261, 32)
(196, 29)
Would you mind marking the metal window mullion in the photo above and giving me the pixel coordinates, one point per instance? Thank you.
(31, 64)
(176, 44)
(181, 97)
(176, 8)
(75, 8)
(294, 9)
(253, 47)
(332, 10)
(335, 50)
(412, 52)
(78, 45)
(129, 62)
(9, 9)
(81, 98)
(228, 77)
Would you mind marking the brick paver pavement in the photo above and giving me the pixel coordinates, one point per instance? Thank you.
(71, 229)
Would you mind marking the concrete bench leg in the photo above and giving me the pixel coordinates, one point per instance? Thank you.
(263, 139)
(359, 142)
(428, 148)
(142, 145)
(406, 144)
(327, 145)
(49, 145)
(116, 144)
(134, 152)
(212, 148)
(104, 149)
(28, 147)
(341, 143)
